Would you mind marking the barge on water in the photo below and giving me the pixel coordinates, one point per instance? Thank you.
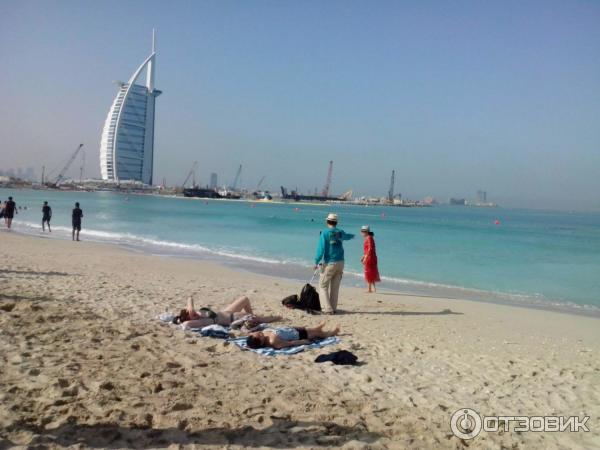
(199, 192)
(293, 195)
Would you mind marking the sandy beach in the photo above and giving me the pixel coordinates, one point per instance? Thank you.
(84, 363)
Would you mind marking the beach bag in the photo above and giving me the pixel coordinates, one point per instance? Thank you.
(291, 301)
(309, 299)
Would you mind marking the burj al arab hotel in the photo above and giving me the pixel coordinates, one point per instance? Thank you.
(127, 144)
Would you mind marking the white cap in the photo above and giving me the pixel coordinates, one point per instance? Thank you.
(365, 228)
(332, 217)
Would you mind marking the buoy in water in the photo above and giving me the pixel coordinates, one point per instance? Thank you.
(497, 222)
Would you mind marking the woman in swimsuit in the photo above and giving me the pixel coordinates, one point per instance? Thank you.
(288, 336)
(238, 309)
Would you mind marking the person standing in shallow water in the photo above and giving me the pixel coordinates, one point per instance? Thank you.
(46, 216)
(10, 209)
(369, 259)
(76, 218)
(331, 252)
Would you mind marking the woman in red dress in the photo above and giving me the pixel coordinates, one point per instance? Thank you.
(369, 259)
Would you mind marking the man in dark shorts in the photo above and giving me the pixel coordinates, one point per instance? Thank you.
(76, 217)
(10, 209)
(46, 216)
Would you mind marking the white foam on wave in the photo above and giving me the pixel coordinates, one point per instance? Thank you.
(137, 241)
(158, 247)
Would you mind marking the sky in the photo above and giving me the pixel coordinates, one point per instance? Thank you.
(455, 96)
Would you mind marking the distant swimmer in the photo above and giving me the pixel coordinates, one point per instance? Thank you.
(46, 216)
(76, 218)
(10, 209)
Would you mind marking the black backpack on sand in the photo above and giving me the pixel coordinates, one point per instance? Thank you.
(307, 301)
(309, 298)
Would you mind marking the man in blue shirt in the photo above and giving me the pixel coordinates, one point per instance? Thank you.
(330, 254)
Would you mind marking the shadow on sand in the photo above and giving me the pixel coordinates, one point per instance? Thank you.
(444, 312)
(33, 272)
(282, 433)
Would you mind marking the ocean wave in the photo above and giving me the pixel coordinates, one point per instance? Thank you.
(136, 240)
(162, 247)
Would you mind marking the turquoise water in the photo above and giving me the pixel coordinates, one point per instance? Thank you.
(534, 258)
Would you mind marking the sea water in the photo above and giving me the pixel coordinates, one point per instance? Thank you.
(526, 257)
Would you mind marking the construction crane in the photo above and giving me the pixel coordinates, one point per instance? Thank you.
(325, 192)
(391, 191)
(236, 179)
(61, 174)
(260, 182)
(82, 167)
(191, 173)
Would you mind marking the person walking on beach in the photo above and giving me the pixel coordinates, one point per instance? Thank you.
(10, 209)
(330, 256)
(46, 216)
(76, 218)
(369, 259)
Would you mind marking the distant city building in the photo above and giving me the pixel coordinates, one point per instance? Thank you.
(28, 174)
(127, 144)
(458, 201)
(481, 197)
(213, 181)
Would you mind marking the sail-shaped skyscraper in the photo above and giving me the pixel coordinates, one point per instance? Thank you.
(127, 144)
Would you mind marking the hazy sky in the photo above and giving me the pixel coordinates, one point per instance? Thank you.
(456, 96)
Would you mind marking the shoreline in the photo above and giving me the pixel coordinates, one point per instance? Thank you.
(289, 271)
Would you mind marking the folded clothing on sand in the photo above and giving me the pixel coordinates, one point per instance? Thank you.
(342, 357)
(269, 351)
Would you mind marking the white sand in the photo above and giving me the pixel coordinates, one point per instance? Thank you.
(82, 362)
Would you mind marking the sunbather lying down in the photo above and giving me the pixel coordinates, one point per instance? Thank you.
(239, 309)
(288, 336)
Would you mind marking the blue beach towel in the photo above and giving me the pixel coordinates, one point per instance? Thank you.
(214, 331)
(269, 351)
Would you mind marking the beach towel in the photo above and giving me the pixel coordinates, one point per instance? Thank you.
(166, 317)
(269, 351)
(214, 331)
